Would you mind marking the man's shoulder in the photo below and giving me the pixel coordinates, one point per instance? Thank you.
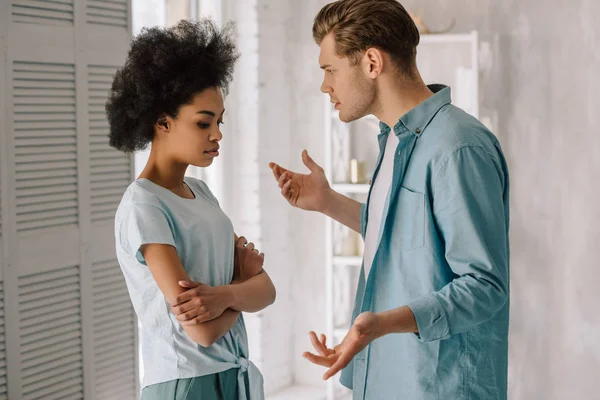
(452, 129)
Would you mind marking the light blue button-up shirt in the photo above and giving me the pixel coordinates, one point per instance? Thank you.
(444, 252)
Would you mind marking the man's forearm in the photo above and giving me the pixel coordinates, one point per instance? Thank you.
(254, 294)
(397, 320)
(343, 209)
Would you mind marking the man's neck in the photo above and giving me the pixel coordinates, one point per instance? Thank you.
(397, 99)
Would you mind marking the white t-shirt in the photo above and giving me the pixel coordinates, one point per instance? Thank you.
(379, 194)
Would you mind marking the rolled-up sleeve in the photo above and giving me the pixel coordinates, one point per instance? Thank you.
(470, 195)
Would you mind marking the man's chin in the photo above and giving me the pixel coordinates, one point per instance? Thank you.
(349, 118)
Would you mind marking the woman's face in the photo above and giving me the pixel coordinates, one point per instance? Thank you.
(193, 136)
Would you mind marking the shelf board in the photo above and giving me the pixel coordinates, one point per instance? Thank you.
(447, 38)
(354, 261)
(351, 187)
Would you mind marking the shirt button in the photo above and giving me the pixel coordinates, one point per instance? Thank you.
(418, 130)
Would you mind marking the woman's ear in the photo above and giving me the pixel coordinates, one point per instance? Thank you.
(163, 124)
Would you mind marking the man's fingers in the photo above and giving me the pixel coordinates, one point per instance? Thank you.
(283, 179)
(319, 360)
(309, 162)
(276, 173)
(322, 350)
(277, 170)
(338, 365)
(285, 190)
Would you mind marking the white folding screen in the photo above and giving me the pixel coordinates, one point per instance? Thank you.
(67, 329)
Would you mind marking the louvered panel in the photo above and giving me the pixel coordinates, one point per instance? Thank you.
(54, 12)
(0, 224)
(45, 145)
(3, 389)
(109, 13)
(114, 341)
(110, 169)
(50, 332)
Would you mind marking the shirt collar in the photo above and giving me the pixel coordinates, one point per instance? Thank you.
(417, 119)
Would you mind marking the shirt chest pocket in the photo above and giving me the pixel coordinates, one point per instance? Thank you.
(408, 220)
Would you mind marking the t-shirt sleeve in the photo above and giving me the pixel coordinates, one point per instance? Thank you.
(145, 224)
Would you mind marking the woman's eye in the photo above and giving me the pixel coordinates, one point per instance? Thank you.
(203, 125)
(221, 123)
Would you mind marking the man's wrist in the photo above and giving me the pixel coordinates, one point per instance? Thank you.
(382, 325)
(328, 201)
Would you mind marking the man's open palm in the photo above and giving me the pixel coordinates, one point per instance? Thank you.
(301, 190)
(358, 337)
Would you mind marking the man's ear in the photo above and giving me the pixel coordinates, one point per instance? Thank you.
(373, 62)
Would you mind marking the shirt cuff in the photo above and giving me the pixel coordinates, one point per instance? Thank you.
(431, 318)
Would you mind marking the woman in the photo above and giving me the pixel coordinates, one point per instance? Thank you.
(170, 229)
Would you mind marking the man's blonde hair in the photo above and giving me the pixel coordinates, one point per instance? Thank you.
(358, 25)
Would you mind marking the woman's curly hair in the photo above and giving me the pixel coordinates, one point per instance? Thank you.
(164, 69)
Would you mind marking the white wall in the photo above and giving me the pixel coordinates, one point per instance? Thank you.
(289, 118)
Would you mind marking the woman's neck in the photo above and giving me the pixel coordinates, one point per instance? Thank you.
(164, 171)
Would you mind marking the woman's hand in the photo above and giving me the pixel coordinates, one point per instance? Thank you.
(201, 303)
(248, 261)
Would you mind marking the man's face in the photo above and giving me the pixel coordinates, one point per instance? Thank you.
(348, 86)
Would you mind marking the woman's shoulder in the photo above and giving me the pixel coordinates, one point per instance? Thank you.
(139, 194)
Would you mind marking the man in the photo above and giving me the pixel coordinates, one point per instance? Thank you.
(431, 310)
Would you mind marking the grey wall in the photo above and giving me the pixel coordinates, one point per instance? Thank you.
(542, 88)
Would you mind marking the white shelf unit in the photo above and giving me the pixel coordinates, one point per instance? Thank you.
(437, 55)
